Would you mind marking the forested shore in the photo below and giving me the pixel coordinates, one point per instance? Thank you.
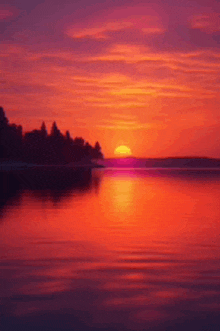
(40, 147)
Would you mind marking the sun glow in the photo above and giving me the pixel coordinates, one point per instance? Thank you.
(122, 151)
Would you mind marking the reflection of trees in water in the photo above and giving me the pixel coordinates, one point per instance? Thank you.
(10, 191)
(81, 187)
(45, 184)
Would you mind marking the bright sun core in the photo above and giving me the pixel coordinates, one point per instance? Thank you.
(122, 151)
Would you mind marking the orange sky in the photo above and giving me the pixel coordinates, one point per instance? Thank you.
(123, 73)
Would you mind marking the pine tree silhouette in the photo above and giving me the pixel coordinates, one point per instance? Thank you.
(38, 147)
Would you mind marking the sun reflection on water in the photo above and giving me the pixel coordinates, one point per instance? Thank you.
(139, 249)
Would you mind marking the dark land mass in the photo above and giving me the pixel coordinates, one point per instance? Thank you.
(39, 160)
(168, 162)
(43, 148)
(183, 162)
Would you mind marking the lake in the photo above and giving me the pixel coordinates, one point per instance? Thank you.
(132, 249)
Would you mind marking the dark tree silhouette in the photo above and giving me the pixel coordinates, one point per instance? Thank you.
(32, 143)
(97, 154)
(88, 150)
(56, 145)
(14, 142)
(79, 141)
(67, 136)
(3, 119)
(43, 130)
(10, 138)
(3, 126)
(40, 147)
(55, 132)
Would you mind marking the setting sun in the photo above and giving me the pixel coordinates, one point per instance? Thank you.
(122, 151)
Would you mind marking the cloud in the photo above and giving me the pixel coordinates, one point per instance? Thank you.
(98, 32)
(143, 19)
(8, 12)
(123, 116)
(124, 125)
(5, 13)
(149, 30)
(207, 22)
(102, 31)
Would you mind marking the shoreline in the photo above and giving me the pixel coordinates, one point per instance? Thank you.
(34, 177)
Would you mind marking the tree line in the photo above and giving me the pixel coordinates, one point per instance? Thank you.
(39, 147)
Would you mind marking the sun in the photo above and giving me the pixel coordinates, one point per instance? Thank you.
(122, 151)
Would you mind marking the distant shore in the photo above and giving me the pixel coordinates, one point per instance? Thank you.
(167, 162)
(184, 162)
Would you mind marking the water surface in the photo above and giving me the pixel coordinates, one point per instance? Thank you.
(135, 249)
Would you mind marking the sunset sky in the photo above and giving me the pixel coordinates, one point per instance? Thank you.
(136, 73)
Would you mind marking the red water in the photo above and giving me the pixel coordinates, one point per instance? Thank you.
(137, 250)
